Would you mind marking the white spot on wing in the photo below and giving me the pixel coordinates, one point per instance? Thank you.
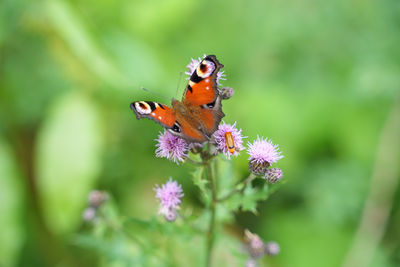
(160, 117)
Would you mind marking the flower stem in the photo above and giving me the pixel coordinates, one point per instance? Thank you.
(194, 162)
(211, 227)
(238, 187)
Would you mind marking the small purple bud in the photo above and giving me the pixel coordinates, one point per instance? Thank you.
(272, 248)
(97, 197)
(255, 245)
(171, 215)
(89, 214)
(227, 92)
(273, 175)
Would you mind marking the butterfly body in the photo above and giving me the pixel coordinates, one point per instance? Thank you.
(198, 115)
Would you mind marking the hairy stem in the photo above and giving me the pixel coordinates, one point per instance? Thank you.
(211, 227)
(239, 187)
(198, 163)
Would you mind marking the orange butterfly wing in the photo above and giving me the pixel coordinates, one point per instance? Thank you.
(157, 112)
(202, 87)
(202, 91)
(176, 123)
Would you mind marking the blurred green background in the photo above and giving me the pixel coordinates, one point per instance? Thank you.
(320, 78)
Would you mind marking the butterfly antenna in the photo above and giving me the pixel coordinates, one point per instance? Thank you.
(146, 90)
(153, 93)
(179, 84)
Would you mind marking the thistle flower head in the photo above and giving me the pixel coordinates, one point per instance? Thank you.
(228, 139)
(96, 198)
(170, 195)
(89, 214)
(273, 175)
(220, 77)
(170, 215)
(171, 147)
(255, 245)
(195, 62)
(227, 92)
(272, 248)
(262, 154)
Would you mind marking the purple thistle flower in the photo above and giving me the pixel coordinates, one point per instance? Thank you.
(220, 77)
(89, 214)
(193, 65)
(97, 198)
(262, 154)
(227, 92)
(171, 147)
(171, 214)
(220, 137)
(170, 195)
(255, 245)
(273, 175)
(272, 248)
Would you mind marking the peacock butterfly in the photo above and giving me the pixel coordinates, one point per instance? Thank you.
(198, 115)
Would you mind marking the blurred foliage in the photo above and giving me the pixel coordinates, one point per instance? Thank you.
(317, 77)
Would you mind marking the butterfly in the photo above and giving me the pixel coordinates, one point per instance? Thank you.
(197, 116)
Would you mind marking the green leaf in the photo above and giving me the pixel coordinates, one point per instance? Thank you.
(69, 160)
(115, 249)
(252, 195)
(202, 185)
(248, 199)
(225, 175)
(234, 202)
